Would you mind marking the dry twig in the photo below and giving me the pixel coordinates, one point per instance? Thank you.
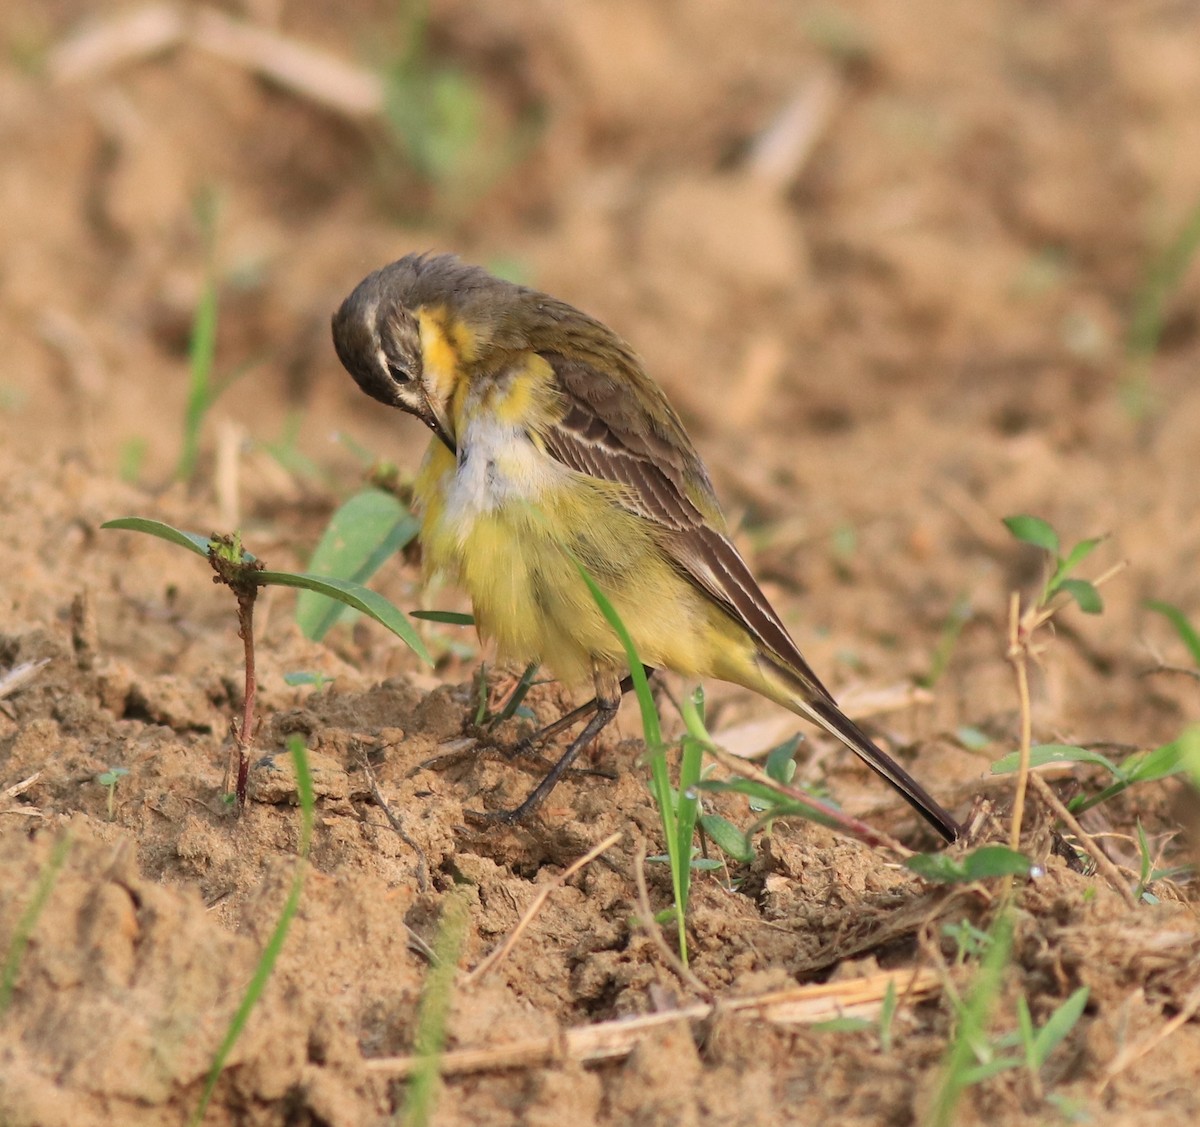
(396, 824)
(612, 1040)
(1110, 871)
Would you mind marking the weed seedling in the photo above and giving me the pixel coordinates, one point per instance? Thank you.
(244, 574)
(1150, 313)
(1060, 587)
(109, 779)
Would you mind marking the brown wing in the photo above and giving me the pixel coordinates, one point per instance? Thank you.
(606, 433)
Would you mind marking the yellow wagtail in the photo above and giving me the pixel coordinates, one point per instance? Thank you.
(551, 448)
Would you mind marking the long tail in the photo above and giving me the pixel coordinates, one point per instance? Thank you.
(807, 697)
(837, 723)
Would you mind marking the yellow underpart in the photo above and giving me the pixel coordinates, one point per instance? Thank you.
(517, 550)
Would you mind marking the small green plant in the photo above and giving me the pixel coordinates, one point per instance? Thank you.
(972, 1055)
(131, 458)
(970, 942)
(244, 574)
(202, 347)
(1024, 625)
(455, 138)
(1034, 530)
(513, 705)
(1138, 767)
(882, 1025)
(1188, 634)
(109, 779)
(29, 918)
(988, 862)
(1147, 873)
(286, 451)
(1150, 314)
(959, 616)
(274, 944)
(430, 1038)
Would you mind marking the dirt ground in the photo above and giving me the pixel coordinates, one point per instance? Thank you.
(884, 258)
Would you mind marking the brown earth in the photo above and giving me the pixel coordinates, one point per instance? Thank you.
(883, 341)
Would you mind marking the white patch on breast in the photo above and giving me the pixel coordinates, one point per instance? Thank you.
(497, 466)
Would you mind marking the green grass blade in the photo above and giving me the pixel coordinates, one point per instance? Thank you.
(274, 945)
(1042, 754)
(430, 1040)
(355, 595)
(1164, 277)
(1186, 631)
(518, 695)
(202, 348)
(1059, 1025)
(192, 541)
(29, 919)
(660, 781)
(449, 617)
(687, 810)
(960, 1060)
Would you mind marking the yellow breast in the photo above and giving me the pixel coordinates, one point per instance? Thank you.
(511, 525)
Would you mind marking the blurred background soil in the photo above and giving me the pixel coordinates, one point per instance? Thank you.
(900, 267)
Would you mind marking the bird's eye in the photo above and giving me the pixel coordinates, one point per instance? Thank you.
(399, 372)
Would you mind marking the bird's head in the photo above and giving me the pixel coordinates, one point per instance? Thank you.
(409, 331)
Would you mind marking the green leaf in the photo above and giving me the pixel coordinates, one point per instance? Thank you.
(1142, 767)
(727, 837)
(781, 762)
(748, 787)
(449, 617)
(988, 1069)
(366, 530)
(1084, 593)
(353, 595)
(1033, 530)
(986, 862)
(193, 541)
(1041, 754)
(1059, 1025)
(1186, 631)
(1189, 754)
(1078, 554)
(972, 738)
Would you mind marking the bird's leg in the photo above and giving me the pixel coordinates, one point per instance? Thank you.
(568, 720)
(603, 708)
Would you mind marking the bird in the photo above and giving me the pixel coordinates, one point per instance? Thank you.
(552, 449)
